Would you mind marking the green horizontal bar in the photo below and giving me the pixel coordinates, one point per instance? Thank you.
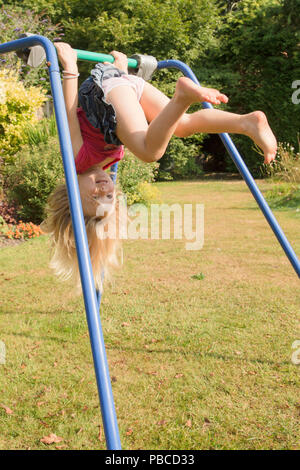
(98, 57)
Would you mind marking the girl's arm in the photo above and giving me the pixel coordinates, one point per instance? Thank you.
(68, 59)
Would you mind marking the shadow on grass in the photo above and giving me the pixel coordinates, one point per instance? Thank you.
(286, 202)
(39, 337)
(215, 176)
(254, 206)
(197, 354)
(48, 312)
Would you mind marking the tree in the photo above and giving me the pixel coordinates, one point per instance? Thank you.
(164, 28)
(256, 62)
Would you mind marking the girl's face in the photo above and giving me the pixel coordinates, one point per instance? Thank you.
(95, 187)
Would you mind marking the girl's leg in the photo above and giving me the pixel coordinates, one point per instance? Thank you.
(215, 121)
(254, 125)
(149, 142)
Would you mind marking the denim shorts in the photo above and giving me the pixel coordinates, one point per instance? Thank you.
(92, 94)
(100, 114)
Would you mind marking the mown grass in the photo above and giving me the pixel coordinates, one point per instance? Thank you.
(199, 343)
(286, 197)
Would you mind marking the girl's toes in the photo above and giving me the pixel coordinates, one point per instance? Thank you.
(269, 158)
(224, 98)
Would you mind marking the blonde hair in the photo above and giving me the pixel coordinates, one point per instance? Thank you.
(105, 252)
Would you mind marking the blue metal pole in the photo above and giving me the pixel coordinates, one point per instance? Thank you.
(232, 150)
(113, 172)
(87, 280)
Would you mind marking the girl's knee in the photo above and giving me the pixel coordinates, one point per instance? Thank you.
(182, 129)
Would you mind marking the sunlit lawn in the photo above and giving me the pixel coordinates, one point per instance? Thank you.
(199, 362)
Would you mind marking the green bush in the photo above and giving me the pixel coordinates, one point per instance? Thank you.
(19, 107)
(32, 177)
(147, 194)
(132, 172)
(255, 63)
(179, 161)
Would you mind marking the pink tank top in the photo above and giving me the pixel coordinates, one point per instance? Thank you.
(94, 148)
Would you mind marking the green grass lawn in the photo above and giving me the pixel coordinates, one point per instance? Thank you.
(199, 343)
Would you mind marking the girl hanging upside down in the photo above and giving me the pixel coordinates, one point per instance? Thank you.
(116, 110)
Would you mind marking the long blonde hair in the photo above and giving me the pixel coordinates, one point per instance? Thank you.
(105, 252)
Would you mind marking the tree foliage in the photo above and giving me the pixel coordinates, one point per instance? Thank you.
(247, 48)
(256, 62)
(179, 29)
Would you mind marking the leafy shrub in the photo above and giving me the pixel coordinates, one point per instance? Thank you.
(8, 212)
(132, 172)
(257, 38)
(19, 106)
(22, 231)
(179, 161)
(148, 193)
(32, 177)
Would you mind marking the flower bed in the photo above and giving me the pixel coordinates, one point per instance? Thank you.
(11, 234)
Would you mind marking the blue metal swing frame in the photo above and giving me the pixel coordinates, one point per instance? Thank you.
(92, 298)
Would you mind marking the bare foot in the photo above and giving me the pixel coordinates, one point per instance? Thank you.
(188, 91)
(258, 129)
